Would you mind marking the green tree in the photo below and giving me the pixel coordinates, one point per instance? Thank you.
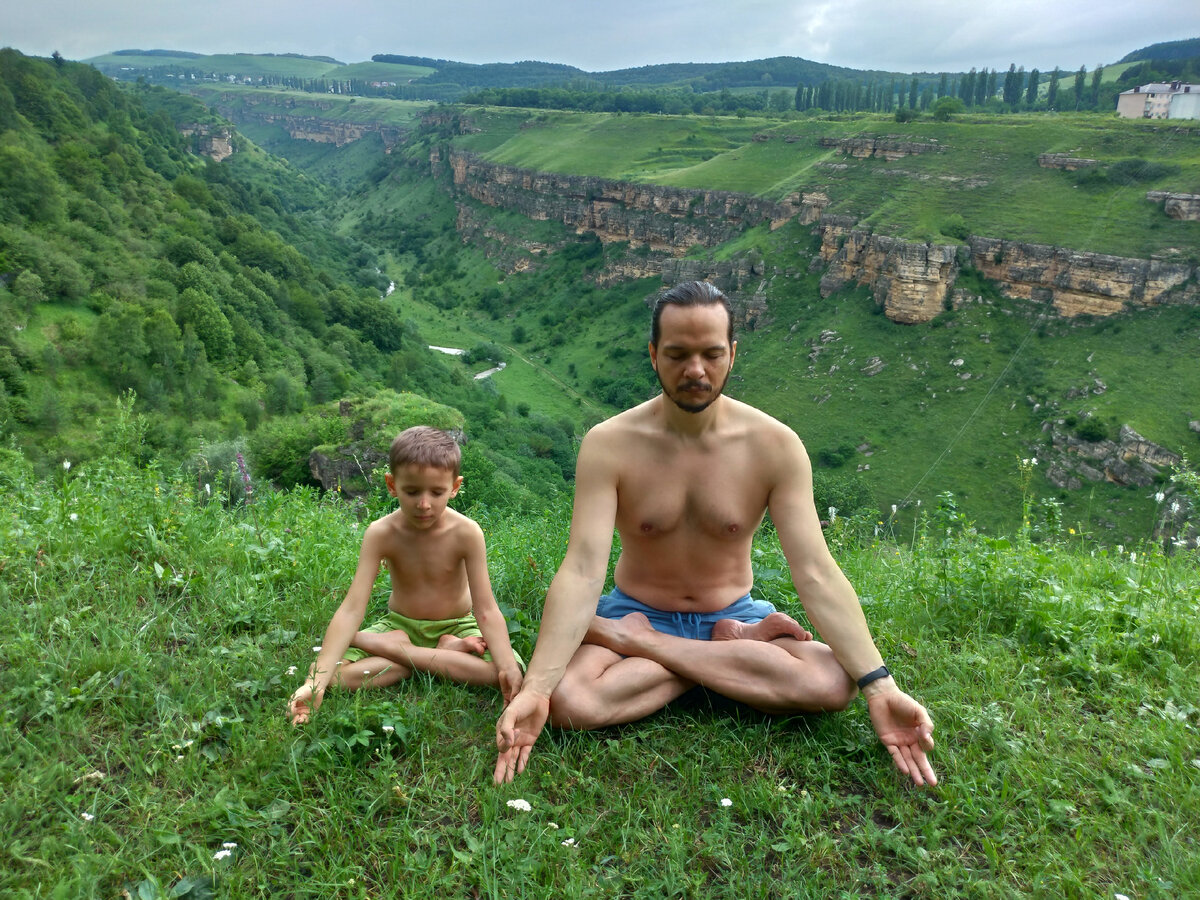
(1031, 91)
(1080, 82)
(912, 94)
(199, 310)
(1052, 89)
(1097, 76)
(945, 108)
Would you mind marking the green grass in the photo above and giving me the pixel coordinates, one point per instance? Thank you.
(146, 674)
(246, 64)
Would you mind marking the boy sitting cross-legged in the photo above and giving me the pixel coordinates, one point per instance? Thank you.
(442, 616)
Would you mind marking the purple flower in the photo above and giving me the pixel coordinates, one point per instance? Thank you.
(245, 475)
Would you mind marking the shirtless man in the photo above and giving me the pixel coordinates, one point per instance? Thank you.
(686, 478)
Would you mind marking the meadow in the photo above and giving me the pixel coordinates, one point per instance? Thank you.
(155, 632)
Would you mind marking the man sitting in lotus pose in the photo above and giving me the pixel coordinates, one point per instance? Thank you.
(686, 479)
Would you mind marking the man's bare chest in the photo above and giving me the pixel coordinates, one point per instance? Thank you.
(692, 498)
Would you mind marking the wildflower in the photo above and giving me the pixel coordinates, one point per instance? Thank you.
(241, 464)
(1120, 897)
(1133, 556)
(832, 513)
(522, 805)
(1160, 497)
(86, 816)
(229, 845)
(221, 854)
(208, 489)
(66, 465)
(74, 517)
(894, 509)
(1033, 461)
(1174, 507)
(291, 670)
(553, 825)
(725, 801)
(90, 776)
(317, 649)
(1071, 530)
(569, 842)
(388, 729)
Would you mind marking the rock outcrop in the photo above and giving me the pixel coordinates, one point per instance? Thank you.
(1064, 161)
(1131, 459)
(911, 280)
(665, 219)
(887, 147)
(1185, 207)
(213, 141)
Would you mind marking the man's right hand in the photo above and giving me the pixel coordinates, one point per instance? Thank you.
(517, 729)
(304, 703)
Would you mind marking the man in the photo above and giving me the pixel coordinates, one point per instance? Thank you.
(686, 479)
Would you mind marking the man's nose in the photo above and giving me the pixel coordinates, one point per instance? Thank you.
(694, 367)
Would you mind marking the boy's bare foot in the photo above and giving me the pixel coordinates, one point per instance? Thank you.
(471, 644)
(776, 625)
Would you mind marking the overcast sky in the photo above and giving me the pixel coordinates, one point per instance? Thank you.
(600, 35)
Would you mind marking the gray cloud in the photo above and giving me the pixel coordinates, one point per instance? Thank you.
(916, 35)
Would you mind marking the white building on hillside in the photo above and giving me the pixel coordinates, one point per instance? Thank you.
(1176, 100)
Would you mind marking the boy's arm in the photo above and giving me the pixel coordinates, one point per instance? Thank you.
(487, 613)
(342, 628)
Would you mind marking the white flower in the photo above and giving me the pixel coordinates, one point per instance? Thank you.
(893, 509)
(208, 489)
(553, 825)
(832, 513)
(569, 842)
(87, 816)
(74, 517)
(1120, 897)
(522, 805)
(66, 465)
(317, 649)
(1033, 461)
(229, 845)
(1160, 497)
(725, 801)
(291, 670)
(1133, 556)
(388, 729)
(221, 854)
(1174, 507)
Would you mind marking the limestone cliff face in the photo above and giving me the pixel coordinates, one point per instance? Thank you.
(269, 110)
(887, 147)
(669, 220)
(911, 280)
(1077, 283)
(1185, 207)
(1131, 459)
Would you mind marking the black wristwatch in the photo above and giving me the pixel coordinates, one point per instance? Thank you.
(873, 675)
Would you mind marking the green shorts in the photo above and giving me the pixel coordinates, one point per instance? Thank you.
(425, 633)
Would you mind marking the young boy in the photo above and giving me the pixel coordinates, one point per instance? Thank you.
(442, 616)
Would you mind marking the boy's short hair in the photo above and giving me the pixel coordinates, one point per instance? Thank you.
(422, 445)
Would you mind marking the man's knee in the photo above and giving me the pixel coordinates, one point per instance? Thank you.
(574, 707)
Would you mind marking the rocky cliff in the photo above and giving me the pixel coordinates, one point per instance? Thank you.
(1131, 459)
(1064, 161)
(261, 109)
(665, 219)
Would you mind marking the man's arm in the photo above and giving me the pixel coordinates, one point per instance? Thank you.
(570, 604)
(487, 613)
(832, 605)
(342, 628)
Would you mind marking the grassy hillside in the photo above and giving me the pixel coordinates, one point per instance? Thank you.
(154, 636)
(988, 171)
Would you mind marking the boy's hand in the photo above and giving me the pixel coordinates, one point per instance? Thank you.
(906, 730)
(519, 726)
(304, 703)
(510, 683)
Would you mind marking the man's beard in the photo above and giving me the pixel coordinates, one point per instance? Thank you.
(698, 406)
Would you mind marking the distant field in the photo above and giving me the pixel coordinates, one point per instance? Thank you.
(383, 71)
(226, 64)
(988, 171)
(324, 106)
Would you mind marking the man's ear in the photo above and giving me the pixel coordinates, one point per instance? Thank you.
(732, 356)
(653, 356)
(456, 487)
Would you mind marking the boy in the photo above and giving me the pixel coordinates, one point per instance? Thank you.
(442, 616)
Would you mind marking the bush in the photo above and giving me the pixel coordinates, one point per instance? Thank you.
(904, 114)
(956, 227)
(1091, 430)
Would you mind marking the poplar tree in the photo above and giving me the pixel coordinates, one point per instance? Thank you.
(1097, 75)
(1080, 80)
(966, 88)
(1031, 92)
(912, 94)
(1052, 89)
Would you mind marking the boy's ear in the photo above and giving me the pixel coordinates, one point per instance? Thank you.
(390, 481)
(456, 487)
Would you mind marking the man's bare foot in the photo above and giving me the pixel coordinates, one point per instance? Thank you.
(776, 625)
(615, 634)
(470, 644)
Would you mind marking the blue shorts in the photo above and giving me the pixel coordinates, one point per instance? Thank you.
(697, 626)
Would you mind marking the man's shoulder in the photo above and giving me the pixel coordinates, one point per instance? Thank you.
(756, 422)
